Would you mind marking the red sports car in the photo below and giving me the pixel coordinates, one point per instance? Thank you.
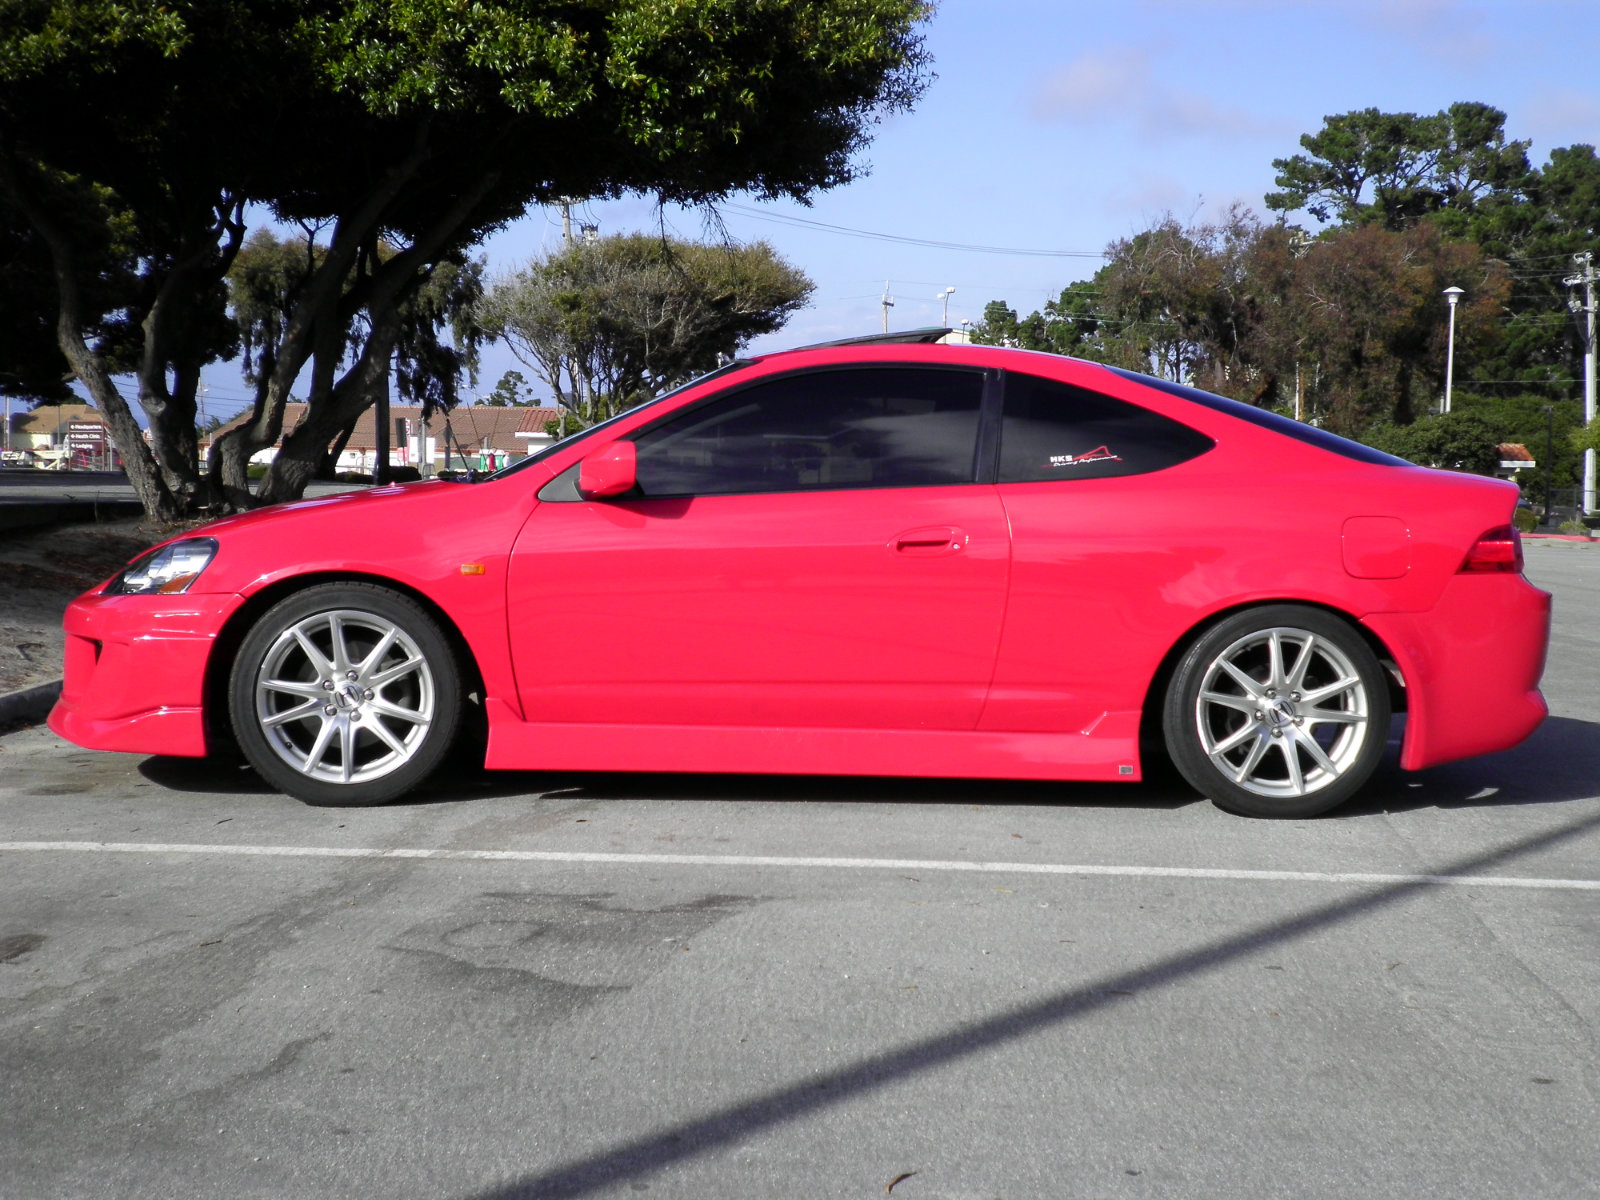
(882, 557)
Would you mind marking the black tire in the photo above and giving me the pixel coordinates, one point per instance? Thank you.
(345, 695)
(1279, 711)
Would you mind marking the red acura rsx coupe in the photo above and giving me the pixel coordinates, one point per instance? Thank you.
(880, 557)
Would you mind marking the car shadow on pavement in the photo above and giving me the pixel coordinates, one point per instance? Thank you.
(226, 776)
(1560, 762)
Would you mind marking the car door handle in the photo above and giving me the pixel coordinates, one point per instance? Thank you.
(930, 541)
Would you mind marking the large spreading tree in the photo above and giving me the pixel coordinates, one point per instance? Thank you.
(408, 129)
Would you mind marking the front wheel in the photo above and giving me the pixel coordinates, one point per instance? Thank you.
(1278, 712)
(344, 695)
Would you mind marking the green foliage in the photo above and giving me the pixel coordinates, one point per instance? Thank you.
(428, 367)
(513, 391)
(1546, 427)
(1525, 519)
(1244, 309)
(1457, 171)
(1348, 328)
(1586, 437)
(565, 425)
(1066, 325)
(611, 323)
(1574, 526)
(1372, 167)
(269, 275)
(31, 361)
(1455, 441)
(416, 125)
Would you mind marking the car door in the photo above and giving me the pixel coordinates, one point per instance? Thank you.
(810, 550)
(1095, 489)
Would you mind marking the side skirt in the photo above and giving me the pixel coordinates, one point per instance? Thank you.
(518, 745)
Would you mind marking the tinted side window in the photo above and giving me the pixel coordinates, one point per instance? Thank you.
(1056, 431)
(857, 428)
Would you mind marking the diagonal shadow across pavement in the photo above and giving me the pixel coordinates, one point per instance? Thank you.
(661, 1148)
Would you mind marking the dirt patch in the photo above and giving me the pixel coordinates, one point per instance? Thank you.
(41, 570)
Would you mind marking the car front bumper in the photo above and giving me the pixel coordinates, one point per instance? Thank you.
(134, 672)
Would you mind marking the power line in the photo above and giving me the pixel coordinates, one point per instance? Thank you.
(846, 231)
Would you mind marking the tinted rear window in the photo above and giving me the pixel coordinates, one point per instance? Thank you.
(1287, 426)
(1057, 431)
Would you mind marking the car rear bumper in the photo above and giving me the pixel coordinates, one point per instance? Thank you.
(134, 672)
(1472, 667)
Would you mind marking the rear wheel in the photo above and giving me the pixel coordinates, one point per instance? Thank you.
(1280, 711)
(345, 694)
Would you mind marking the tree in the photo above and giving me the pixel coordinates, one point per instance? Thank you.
(1457, 170)
(1066, 325)
(1184, 303)
(513, 391)
(611, 323)
(1246, 309)
(31, 362)
(1389, 169)
(1455, 441)
(416, 124)
(1368, 310)
(266, 278)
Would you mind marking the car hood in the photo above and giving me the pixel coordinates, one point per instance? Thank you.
(360, 500)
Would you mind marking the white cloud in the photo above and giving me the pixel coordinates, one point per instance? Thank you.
(1447, 30)
(1120, 86)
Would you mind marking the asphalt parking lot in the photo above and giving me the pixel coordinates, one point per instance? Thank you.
(540, 985)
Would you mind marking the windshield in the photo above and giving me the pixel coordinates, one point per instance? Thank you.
(540, 455)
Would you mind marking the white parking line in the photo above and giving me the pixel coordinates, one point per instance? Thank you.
(848, 864)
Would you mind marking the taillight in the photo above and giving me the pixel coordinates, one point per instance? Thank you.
(1497, 550)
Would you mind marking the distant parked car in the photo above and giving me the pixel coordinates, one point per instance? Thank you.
(884, 557)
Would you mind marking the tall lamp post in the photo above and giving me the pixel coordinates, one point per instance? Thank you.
(1451, 294)
(945, 296)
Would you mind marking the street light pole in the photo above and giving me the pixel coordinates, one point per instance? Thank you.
(945, 296)
(1451, 294)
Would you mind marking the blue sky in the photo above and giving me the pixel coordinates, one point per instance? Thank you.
(1057, 126)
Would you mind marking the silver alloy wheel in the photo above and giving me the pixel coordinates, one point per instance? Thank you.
(1283, 712)
(345, 696)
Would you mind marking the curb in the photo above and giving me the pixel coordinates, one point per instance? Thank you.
(29, 706)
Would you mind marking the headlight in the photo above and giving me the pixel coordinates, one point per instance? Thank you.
(167, 569)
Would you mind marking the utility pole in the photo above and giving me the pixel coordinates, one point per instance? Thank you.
(566, 203)
(887, 305)
(1586, 279)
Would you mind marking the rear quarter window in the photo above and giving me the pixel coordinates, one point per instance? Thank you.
(1058, 431)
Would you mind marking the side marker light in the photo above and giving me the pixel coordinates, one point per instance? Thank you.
(473, 569)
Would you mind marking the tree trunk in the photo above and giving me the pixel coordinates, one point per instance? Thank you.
(380, 413)
(303, 449)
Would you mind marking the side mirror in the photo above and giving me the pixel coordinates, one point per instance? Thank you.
(607, 472)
